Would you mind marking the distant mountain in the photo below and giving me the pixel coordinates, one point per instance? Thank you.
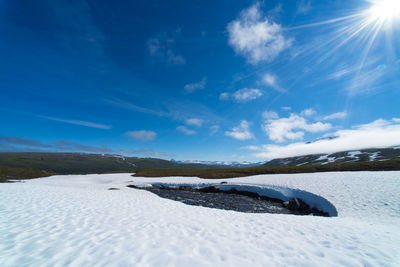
(221, 164)
(364, 155)
(81, 163)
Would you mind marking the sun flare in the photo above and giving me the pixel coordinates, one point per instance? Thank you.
(384, 10)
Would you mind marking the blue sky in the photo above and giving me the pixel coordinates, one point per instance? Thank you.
(204, 80)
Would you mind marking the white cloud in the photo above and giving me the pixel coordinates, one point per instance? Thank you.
(247, 94)
(186, 130)
(270, 115)
(281, 129)
(194, 122)
(256, 37)
(191, 87)
(378, 134)
(142, 135)
(214, 129)
(241, 132)
(337, 115)
(286, 108)
(224, 96)
(308, 112)
(272, 81)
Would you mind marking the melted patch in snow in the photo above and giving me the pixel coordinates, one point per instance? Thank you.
(277, 192)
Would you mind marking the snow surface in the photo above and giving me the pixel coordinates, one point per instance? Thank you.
(353, 154)
(323, 157)
(373, 156)
(75, 221)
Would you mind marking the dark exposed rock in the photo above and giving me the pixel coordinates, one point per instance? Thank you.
(298, 206)
(184, 187)
(209, 189)
(294, 204)
(233, 199)
(223, 182)
(113, 188)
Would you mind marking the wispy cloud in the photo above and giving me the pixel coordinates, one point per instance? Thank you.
(162, 46)
(148, 152)
(214, 129)
(25, 144)
(179, 111)
(127, 105)
(337, 115)
(377, 134)
(22, 141)
(270, 115)
(252, 148)
(341, 72)
(224, 96)
(303, 6)
(142, 135)
(194, 122)
(186, 130)
(286, 108)
(272, 81)
(291, 128)
(241, 132)
(71, 146)
(191, 87)
(79, 122)
(256, 37)
(365, 81)
(10, 143)
(243, 95)
(175, 59)
(308, 112)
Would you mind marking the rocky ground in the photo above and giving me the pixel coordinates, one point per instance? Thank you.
(240, 201)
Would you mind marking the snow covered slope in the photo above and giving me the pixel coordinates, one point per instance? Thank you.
(376, 154)
(75, 221)
(221, 164)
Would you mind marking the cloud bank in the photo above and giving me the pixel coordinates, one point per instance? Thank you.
(377, 134)
(291, 128)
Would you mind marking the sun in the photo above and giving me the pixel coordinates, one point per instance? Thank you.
(384, 11)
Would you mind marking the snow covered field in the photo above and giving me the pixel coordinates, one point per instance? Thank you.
(75, 221)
